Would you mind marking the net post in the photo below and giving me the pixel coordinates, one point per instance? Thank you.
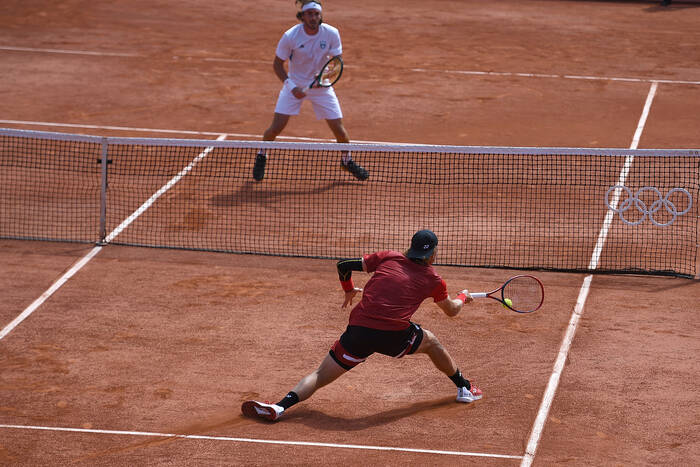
(103, 193)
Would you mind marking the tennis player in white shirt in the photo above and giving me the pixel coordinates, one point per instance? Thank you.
(306, 47)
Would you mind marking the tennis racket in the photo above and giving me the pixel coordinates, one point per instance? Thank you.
(329, 74)
(522, 294)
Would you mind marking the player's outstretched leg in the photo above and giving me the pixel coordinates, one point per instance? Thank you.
(430, 345)
(327, 372)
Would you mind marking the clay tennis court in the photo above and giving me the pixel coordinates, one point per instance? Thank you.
(143, 356)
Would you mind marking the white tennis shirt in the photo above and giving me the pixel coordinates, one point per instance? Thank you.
(307, 54)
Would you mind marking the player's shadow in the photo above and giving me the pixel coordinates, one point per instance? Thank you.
(675, 284)
(675, 6)
(251, 193)
(654, 6)
(321, 421)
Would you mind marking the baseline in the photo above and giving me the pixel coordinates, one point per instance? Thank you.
(259, 441)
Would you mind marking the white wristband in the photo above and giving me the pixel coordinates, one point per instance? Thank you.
(290, 83)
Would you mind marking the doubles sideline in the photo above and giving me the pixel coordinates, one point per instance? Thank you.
(553, 383)
(86, 259)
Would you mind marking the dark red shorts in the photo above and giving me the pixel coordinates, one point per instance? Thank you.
(358, 342)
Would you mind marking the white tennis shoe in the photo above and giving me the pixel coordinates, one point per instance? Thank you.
(469, 395)
(255, 409)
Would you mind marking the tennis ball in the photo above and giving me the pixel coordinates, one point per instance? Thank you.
(508, 301)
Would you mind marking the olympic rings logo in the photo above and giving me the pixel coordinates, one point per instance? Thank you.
(648, 211)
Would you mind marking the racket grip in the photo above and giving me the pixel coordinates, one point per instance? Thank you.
(479, 295)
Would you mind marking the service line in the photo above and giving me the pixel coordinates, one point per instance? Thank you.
(552, 76)
(245, 136)
(69, 52)
(415, 70)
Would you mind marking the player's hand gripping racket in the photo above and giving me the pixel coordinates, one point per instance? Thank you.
(523, 294)
(329, 74)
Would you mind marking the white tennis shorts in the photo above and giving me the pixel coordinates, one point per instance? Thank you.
(323, 100)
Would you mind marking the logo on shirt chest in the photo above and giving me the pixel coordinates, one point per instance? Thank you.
(322, 44)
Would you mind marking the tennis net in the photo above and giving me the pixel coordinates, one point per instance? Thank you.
(566, 209)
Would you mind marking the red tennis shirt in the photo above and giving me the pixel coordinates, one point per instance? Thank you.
(395, 291)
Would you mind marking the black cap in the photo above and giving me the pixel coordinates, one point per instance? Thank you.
(423, 244)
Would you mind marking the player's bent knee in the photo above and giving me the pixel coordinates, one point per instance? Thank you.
(429, 343)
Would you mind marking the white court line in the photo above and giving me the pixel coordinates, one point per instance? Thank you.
(603, 235)
(69, 52)
(148, 130)
(160, 193)
(85, 259)
(645, 114)
(183, 132)
(553, 383)
(260, 441)
(545, 75)
(236, 60)
(54, 287)
(416, 70)
(542, 414)
(107, 127)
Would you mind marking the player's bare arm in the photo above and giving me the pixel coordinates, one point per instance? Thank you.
(452, 306)
(280, 70)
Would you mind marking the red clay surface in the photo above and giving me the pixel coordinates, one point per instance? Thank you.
(172, 342)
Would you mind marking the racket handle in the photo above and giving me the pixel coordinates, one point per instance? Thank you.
(479, 295)
(293, 85)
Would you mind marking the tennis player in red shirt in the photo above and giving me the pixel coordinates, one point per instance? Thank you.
(381, 322)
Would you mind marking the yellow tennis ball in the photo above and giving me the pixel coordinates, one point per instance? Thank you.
(508, 301)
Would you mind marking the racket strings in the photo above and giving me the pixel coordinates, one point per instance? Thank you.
(525, 293)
